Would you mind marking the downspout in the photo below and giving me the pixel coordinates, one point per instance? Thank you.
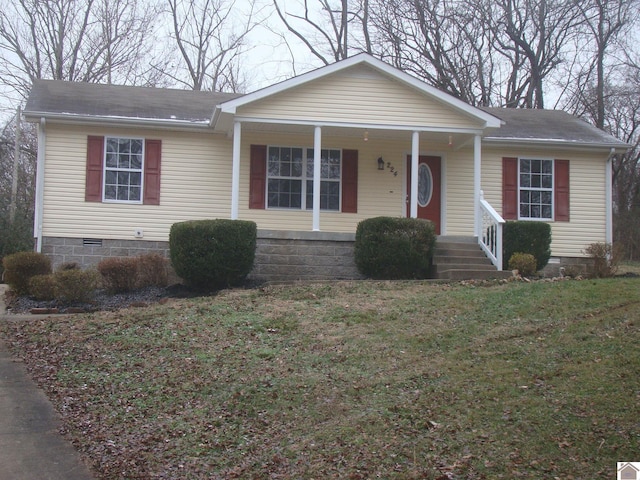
(39, 200)
(609, 197)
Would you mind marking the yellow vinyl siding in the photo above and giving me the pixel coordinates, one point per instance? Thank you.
(195, 183)
(586, 195)
(358, 95)
(379, 192)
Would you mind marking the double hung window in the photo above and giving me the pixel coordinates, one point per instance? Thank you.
(123, 169)
(290, 178)
(536, 188)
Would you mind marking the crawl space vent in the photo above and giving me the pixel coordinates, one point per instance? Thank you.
(92, 242)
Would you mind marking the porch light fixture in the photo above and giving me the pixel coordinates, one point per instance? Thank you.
(380, 163)
(366, 135)
(450, 140)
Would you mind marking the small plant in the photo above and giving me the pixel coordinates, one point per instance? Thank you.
(152, 271)
(119, 274)
(75, 285)
(20, 267)
(394, 248)
(525, 263)
(606, 258)
(42, 287)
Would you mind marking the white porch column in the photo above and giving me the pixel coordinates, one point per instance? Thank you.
(317, 145)
(477, 166)
(235, 170)
(415, 159)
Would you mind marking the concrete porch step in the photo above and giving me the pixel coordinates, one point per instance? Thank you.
(461, 258)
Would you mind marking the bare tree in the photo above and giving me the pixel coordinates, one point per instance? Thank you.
(532, 35)
(331, 30)
(602, 41)
(76, 40)
(210, 36)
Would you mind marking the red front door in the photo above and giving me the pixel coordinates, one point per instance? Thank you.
(429, 188)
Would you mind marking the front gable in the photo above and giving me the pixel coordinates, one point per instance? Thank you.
(360, 94)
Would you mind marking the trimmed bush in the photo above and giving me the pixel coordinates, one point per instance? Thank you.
(212, 254)
(20, 267)
(394, 248)
(75, 285)
(119, 274)
(527, 237)
(524, 263)
(152, 271)
(42, 287)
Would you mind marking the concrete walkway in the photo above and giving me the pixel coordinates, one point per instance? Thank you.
(30, 446)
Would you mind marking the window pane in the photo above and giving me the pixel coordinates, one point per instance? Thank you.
(547, 167)
(136, 161)
(134, 193)
(535, 181)
(525, 166)
(136, 146)
(524, 210)
(112, 145)
(123, 193)
(112, 160)
(546, 211)
(135, 178)
(296, 167)
(547, 181)
(110, 192)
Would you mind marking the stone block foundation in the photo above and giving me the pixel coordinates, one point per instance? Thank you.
(280, 256)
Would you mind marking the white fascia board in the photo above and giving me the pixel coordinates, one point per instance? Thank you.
(542, 142)
(370, 126)
(71, 118)
(489, 120)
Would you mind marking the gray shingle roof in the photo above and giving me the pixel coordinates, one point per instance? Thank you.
(547, 125)
(55, 97)
(85, 100)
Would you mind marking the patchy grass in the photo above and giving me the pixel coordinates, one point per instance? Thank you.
(352, 380)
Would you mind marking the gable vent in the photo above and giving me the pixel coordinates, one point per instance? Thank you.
(92, 242)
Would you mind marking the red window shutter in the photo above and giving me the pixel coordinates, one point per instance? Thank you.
(350, 181)
(510, 188)
(152, 156)
(561, 190)
(95, 155)
(258, 176)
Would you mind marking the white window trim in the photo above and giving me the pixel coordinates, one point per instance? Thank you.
(104, 171)
(552, 190)
(304, 179)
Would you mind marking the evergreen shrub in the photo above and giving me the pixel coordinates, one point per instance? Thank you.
(213, 254)
(394, 248)
(527, 237)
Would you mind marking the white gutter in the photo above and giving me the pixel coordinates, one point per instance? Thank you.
(71, 118)
(39, 200)
(553, 142)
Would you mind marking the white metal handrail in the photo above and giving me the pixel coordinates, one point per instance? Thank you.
(490, 234)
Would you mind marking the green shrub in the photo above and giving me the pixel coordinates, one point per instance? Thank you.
(394, 248)
(119, 274)
(605, 257)
(211, 254)
(527, 237)
(42, 287)
(525, 263)
(75, 285)
(20, 267)
(152, 271)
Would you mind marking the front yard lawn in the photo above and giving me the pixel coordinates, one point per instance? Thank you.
(352, 380)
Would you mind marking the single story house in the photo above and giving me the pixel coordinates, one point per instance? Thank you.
(307, 159)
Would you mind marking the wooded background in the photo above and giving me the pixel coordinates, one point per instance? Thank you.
(582, 56)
